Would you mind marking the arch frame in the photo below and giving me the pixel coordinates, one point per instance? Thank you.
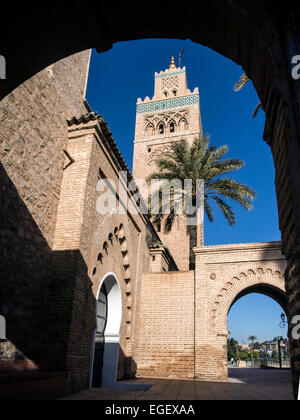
(222, 273)
(114, 337)
(236, 284)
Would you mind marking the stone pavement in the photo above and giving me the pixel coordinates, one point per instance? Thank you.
(244, 384)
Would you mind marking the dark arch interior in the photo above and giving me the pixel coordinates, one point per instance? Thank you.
(232, 28)
(267, 290)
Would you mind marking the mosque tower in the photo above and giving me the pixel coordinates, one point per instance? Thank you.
(171, 115)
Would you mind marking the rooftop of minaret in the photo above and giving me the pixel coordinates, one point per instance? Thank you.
(169, 83)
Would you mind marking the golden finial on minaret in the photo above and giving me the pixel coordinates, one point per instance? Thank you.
(172, 65)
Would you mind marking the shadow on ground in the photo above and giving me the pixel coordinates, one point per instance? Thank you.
(244, 384)
(260, 376)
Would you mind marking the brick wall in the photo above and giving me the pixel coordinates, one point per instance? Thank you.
(165, 326)
(89, 245)
(33, 134)
(181, 331)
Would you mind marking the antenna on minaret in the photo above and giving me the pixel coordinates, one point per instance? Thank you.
(180, 55)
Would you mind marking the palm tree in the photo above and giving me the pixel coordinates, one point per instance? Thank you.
(239, 86)
(252, 338)
(196, 162)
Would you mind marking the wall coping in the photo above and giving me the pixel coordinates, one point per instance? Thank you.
(240, 247)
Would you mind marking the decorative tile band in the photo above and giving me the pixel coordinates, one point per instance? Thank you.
(162, 76)
(168, 104)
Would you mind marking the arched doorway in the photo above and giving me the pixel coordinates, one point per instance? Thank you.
(106, 338)
(265, 281)
(106, 342)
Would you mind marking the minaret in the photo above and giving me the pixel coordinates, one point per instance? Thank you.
(171, 115)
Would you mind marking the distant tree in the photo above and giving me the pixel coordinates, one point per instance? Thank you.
(243, 356)
(255, 355)
(252, 338)
(233, 349)
(257, 346)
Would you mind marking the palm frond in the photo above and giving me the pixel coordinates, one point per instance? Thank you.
(209, 211)
(226, 210)
(195, 162)
(257, 109)
(244, 79)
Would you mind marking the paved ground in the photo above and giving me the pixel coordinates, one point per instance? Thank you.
(244, 384)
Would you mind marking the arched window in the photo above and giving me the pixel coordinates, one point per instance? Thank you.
(166, 93)
(161, 129)
(2, 328)
(172, 127)
(175, 92)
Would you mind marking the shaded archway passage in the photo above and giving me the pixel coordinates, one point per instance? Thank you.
(261, 37)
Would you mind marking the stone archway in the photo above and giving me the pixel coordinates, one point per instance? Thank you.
(224, 274)
(248, 279)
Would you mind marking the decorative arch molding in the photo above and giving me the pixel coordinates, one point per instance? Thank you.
(150, 130)
(183, 124)
(268, 280)
(117, 238)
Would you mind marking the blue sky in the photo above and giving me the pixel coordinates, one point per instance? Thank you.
(255, 315)
(118, 77)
